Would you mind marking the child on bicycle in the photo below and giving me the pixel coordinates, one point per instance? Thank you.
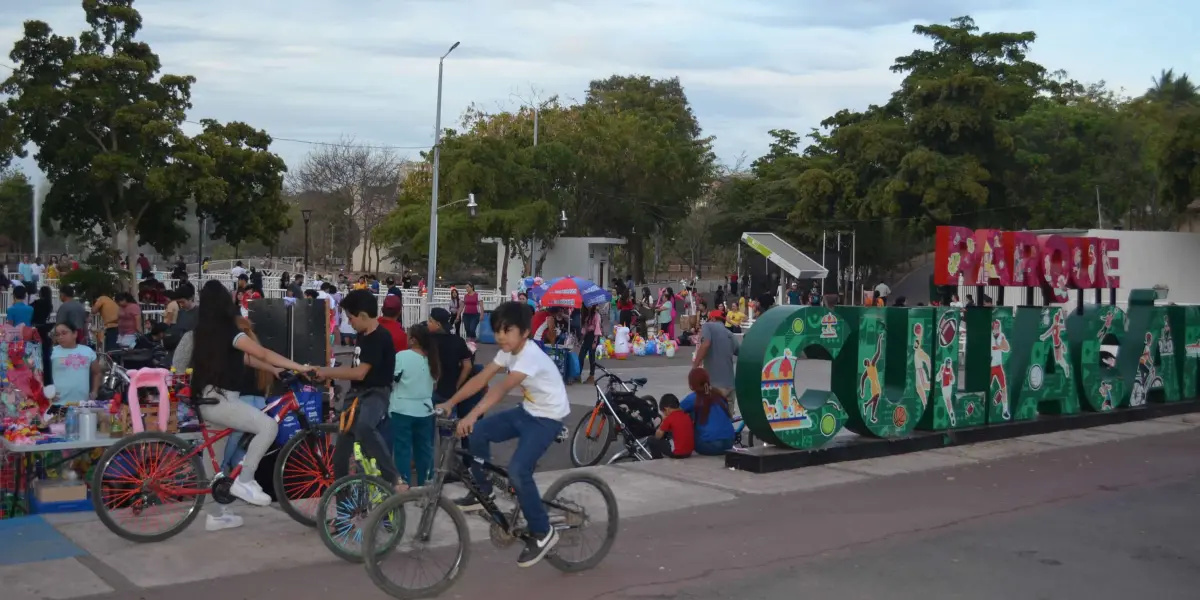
(370, 374)
(535, 423)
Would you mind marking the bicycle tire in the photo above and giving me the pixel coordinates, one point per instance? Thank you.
(102, 511)
(371, 558)
(298, 514)
(612, 526)
(336, 548)
(580, 429)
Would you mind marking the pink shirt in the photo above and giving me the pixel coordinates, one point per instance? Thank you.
(470, 304)
(593, 324)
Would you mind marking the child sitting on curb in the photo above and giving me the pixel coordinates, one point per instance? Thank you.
(675, 437)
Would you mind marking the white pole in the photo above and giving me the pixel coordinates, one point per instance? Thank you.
(431, 276)
(824, 243)
(1099, 217)
(36, 238)
(854, 266)
(839, 266)
(533, 238)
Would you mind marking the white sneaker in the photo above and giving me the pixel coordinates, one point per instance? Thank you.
(225, 520)
(251, 492)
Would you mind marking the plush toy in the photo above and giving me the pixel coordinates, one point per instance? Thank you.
(621, 343)
(670, 348)
(22, 377)
(639, 348)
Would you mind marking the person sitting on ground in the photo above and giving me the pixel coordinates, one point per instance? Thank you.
(675, 437)
(711, 413)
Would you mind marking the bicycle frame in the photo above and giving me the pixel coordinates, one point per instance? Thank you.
(454, 460)
(287, 405)
(602, 401)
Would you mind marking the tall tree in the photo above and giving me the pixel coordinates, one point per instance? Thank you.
(16, 208)
(358, 183)
(239, 184)
(107, 128)
(653, 163)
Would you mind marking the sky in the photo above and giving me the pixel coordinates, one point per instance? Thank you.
(320, 71)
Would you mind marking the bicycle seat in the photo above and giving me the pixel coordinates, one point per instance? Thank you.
(639, 381)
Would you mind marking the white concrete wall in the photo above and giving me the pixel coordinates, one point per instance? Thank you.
(581, 257)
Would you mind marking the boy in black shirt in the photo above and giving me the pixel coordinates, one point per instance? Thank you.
(370, 375)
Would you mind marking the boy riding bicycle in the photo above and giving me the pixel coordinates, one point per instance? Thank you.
(535, 423)
(370, 374)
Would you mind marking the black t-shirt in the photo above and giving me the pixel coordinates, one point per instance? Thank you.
(375, 349)
(452, 350)
(406, 281)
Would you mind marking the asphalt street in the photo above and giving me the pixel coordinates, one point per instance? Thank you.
(1114, 521)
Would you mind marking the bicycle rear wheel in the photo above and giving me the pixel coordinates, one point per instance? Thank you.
(144, 473)
(303, 471)
(593, 435)
(344, 509)
(575, 517)
(446, 541)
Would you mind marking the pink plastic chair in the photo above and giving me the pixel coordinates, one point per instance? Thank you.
(149, 378)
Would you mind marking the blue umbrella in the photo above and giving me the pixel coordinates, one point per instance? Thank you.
(571, 292)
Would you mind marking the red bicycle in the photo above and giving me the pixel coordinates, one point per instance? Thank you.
(146, 475)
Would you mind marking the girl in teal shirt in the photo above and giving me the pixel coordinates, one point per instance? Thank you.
(411, 405)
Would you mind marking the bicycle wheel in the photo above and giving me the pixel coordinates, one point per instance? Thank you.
(594, 429)
(145, 472)
(344, 509)
(303, 471)
(447, 541)
(574, 518)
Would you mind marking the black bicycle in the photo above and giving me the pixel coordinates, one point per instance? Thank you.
(619, 411)
(421, 527)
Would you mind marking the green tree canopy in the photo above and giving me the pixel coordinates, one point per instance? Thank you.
(107, 126)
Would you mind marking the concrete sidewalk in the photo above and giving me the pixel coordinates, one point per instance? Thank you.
(78, 556)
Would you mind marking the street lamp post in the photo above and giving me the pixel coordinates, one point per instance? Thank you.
(431, 277)
(306, 214)
(200, 248)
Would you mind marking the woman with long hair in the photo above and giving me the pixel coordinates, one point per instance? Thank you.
(666, 312)
(711, 413)
(221, 353)
(472, 309)
(456, 311)
(591, 332)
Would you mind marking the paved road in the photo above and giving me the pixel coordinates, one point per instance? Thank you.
(1109, 521)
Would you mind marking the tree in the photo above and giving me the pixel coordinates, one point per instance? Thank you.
(651, 163)
(240, 184)
(358, 183)
(107, 128)
(16, 208)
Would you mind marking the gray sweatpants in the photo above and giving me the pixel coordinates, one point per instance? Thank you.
(231, 412)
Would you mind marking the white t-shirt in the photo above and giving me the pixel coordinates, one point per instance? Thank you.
(543, 388)
(236, 272)
(38, 270)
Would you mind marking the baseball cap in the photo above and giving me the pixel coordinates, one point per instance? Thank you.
(391, 303)
(442, 316)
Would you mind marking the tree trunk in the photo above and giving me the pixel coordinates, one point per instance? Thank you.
(637, 252)
(504, 267)
(130, 246)
(541, 259)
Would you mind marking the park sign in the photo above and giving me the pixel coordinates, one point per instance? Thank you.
(1052, 262)
(895, 370)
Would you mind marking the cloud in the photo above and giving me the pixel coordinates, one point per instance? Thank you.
(316, 70)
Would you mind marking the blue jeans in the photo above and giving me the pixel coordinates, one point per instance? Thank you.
(534, 435)
(412, 442)
(233, 454)
(471, 324)
(713, 447)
